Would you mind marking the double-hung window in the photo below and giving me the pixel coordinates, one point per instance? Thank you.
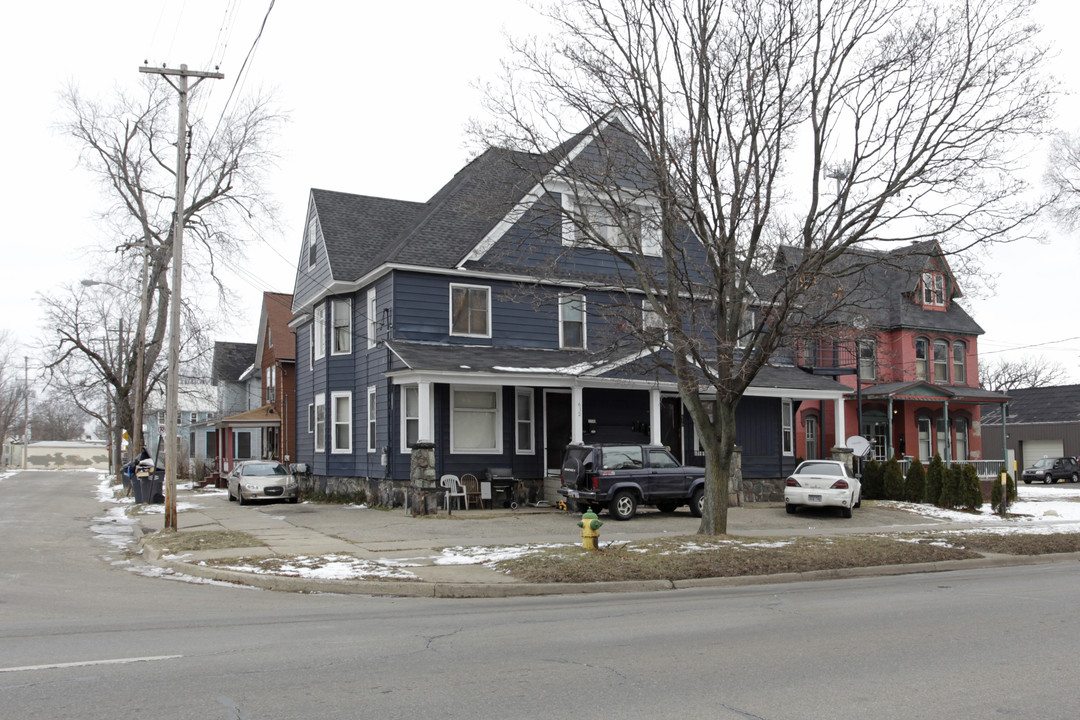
(925, 453)
(470, 310)
(787, 435)
(341, 320)
(372, 425)
(941, 361)
(320, 423)
(318, 333)
(572, 321)
(960, 426)
(372, 317)
(524, 422)
(341, 418)
(922, 366)
(410, 416)
(313, 241)
(625, 225)
(933, 290)
(475, 420)
(868, 360)
(653, 326)
(959, 372)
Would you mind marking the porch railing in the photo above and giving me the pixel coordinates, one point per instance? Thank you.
(985, 468)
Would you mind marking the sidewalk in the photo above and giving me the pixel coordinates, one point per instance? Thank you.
(409, 556)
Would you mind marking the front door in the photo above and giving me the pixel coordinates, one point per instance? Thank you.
(557, 428)
(671, 425)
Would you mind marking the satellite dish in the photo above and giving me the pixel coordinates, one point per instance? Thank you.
(859, 445)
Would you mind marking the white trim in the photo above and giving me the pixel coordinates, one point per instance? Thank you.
(457, 286)
(372, 421)
(319, 338)
(518, 394)
(320, 437)
(371, 304)
(787, 427)
(564, 301)
(405, 417)
(333, 325)
(311, 418)
(498, 426)
(335, 421)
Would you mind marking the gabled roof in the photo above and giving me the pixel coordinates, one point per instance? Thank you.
(1059, 404)
(879, 285)
(275, 315)
(922, 390)
(230, 361)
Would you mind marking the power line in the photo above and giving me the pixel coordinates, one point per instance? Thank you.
(1028, 347)
(243, 67)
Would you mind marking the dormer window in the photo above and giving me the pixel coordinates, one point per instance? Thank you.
(933, 290)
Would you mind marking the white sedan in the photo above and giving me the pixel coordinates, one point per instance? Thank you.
(823, 483)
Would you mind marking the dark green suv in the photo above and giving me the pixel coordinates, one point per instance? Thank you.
(621, 476)
(1050, 470)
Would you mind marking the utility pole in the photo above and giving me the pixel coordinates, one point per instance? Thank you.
(172, 390)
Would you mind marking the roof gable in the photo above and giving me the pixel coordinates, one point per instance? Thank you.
(231, 359)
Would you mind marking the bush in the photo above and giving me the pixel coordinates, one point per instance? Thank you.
(915, 483)
(995, 492)
(872, 481)
(935, 479)
(971, 489)
(952, 488)
(893, 480)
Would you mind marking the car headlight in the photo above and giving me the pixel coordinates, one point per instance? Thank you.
(251, 486)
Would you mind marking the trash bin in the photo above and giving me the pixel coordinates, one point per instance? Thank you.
(156, 482)
(139, 486)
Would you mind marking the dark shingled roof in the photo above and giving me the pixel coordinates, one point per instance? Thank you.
(879, 285)
(1060, 404)
(230, 360)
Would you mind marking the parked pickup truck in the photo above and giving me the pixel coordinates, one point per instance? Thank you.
(621, 476)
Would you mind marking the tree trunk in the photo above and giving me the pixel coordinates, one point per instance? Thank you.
(719, 449)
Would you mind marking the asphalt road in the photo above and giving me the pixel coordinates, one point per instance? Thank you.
(84, 636)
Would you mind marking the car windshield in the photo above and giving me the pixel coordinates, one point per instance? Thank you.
(820, 469)
(1044, 463)
(265, 469)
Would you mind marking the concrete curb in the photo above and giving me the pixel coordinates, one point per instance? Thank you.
(410, 588)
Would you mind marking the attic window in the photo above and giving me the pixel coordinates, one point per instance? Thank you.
(933, 290)
(602, 225)
(312, 240)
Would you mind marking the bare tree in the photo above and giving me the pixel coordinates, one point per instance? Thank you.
(128, 143)
(757, 124)
(12, 388)
(55, 417)
(1004, 375)
(1063, 176)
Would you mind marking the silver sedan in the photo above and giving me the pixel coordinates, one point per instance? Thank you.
(823, 483)
(262, 480)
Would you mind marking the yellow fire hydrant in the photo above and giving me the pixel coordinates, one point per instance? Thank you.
(590, 530)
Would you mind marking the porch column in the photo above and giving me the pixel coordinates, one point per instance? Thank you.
(889, 431)
(948, 433)
(838, 423)
(654, 416)
(228, 448)
(576, 414)
(425, 402)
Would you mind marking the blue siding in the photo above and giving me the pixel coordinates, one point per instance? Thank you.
(311, 281)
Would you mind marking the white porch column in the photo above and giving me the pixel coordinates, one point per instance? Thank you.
(838, 420)
(576, 413)
(425, 399)
(654, 416)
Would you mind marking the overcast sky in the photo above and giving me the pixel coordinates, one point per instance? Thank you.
(379, 95)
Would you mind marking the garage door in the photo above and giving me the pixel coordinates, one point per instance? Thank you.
(1034, 449)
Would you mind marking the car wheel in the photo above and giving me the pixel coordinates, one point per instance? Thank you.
(595, 507)
(1075, 477)
(858, 503)
(623, 505)
(240, 496)
(1047, 479)
(1026, 481)
(231, 498)
(697, 503)
(667, 506)
(845, 512)
(789, 508)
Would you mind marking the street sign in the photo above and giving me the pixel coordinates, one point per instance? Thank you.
(161, 430)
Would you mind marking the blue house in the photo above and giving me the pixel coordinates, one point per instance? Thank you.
(478, 321)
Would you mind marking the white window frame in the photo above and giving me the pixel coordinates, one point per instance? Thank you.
(941, 435)
(747, 325)
(867, 362)
(497, 411)
(467, 288)
(923, 365)
(371, 303)
(787, 427)
(311, 418)
(318, 327)
(943, 363)
(959, 365)
(574, 236)
(924, 430)
(653, 321)
(710, 410)
(335, 310)
(811, 428)
(564, 302)
(320, 425)
(372, 420)
(313, 244)
(961, 430)
(933, 289)
(524, 428)
(406, 418)
(336, 421)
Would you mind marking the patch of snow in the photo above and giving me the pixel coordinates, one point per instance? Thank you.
(328, 567)
(484, 555)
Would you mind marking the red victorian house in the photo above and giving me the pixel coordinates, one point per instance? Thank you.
(910, 358)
